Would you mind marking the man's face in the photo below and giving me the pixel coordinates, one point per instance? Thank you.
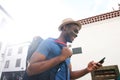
(71, 33)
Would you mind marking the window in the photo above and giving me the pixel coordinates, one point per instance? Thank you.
(106, 73)
(9, 52)
(20, 49)
(18, 62)
(77, 50)
(7, 64)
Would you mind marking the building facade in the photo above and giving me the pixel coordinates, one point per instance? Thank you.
(1, 58)
(5, 19)
(15, 61)
(99, 37)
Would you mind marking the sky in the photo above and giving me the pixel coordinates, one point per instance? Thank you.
(43, 17)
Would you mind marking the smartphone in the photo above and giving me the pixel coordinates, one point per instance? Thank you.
(102, 60)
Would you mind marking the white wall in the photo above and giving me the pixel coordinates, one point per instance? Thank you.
(16, 56)
(98, 40)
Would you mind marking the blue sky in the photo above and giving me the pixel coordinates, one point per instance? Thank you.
(42, 17)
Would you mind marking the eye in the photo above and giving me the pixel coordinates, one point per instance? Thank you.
(76, 31)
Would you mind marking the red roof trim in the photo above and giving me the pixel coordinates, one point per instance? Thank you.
(100, 17)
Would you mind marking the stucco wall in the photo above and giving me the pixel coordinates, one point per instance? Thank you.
(98, 40)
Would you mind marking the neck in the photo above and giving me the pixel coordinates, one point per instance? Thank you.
(61, 38)
(60, 42)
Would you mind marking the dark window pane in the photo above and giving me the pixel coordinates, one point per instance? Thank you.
(18, 62)
(9, 52)
(7, 64)
(20, 49)
(77, 50)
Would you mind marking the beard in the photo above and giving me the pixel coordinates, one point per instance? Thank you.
(68, 39)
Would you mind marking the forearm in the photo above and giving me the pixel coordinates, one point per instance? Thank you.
(41, 66)
(79, 73)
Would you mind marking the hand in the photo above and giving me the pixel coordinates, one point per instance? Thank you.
(66, 53)
(93, 66)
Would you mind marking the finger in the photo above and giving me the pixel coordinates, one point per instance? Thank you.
(98, 64)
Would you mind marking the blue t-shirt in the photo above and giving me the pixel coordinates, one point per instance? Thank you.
(50, 49)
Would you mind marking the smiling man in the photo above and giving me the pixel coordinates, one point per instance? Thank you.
(51, 60)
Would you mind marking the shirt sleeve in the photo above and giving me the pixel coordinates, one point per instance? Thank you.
(43, 48)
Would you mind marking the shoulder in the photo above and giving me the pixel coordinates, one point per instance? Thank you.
(48, 41)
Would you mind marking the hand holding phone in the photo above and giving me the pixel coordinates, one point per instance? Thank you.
(102, 60)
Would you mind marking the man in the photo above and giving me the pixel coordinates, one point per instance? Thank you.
(49, 54)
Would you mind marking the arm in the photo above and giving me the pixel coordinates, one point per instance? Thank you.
(79, 73)
(38, 62)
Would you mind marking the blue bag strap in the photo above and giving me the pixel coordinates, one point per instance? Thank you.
(64, 62)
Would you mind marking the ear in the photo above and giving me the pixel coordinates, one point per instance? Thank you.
(64, 28)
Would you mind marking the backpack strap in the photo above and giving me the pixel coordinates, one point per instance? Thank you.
(64, 62)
